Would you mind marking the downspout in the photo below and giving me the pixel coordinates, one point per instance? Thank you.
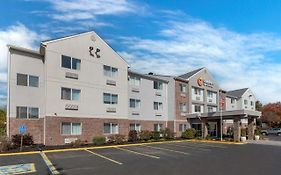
(45, 89)
(8, 94)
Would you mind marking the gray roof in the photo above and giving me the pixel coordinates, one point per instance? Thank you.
(190, 74)
(238, 92)
(151, 77)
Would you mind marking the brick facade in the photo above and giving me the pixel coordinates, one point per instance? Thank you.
(180, 97)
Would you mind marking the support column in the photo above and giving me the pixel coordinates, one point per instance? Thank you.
(251, 128)
(218, 129)
(204, 128)
(236, 129)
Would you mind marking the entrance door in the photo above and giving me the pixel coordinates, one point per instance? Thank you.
(198, 128)
(212, 129)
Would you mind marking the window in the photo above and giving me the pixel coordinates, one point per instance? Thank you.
(110, 71)
(70, 94)
(24, 112)
(197, 108)
(110, 98)
(27, 80)
(68, 128)
(158, 127)
(70, 63)
(158, 105)
(134, 103)
(210, 94)
(210, 109)
(158, 85)
(232, 100)
(135, 126)
(197, 91)
(134, 80)
(183, 88)
(252, 103)
(182, 127)
(245, 102)
(182, 107)
(110, 128)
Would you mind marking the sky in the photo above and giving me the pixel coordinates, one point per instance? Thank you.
(238, 41)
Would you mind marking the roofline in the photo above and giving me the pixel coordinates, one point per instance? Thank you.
(22, 49)
(181, 79)
(147, 76)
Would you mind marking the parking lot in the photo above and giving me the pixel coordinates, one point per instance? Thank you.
(166, 158)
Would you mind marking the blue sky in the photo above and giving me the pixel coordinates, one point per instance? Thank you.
(238, 41)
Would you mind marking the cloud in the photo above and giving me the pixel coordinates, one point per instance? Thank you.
(70, 10)
(237, 60)
(18, 35)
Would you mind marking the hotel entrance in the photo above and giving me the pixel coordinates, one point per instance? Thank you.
(198, 129)
(212, 129)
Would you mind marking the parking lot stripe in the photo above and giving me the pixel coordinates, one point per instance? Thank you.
(191, 147)
(49, 164)
(99, 155)
(143, 154)
(166, 149)
(207, 145)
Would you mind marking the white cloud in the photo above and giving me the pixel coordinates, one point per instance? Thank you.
(237, 60)
(69, 10)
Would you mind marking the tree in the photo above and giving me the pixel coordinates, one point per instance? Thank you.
(2, 122)
(259, 106)
(271, 114)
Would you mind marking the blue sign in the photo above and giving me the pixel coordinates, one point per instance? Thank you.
(22, 129)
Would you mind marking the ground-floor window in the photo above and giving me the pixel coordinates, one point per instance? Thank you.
(110, 128)
(68, 128)
(182, 127)
(24, 112)
(158, 127)
(135, 126)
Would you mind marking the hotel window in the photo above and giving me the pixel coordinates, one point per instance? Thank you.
(210, 109)
(110, 98)
(110, 71)
(27, 80)
(135, 126)
(197, 91)
(110, 128)
(252, 103)
(134, 80)
(182, 107)
(197, 108)
(68, 128)
(182, 127)
(24, 112)
(70, 94)
(70, 63)
(157, 85)
(158, 127)
(210, 94)
(158, 105)
(232, 100)
(245, 102)
(134, 103)
(183, 88)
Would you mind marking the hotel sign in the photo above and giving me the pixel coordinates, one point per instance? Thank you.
(94, 52)
(203, 82)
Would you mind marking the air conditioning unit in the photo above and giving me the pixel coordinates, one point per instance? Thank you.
(111, 110)
(198, 98)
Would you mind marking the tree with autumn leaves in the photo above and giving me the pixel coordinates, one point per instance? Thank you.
(271, 114)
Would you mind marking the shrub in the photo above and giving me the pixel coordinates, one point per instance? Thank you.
(243, 132)
(257, 131)
(168, 134)
(145, 135)
(133, 136)
(77, 143)
(117, 138)
(5, 144)
(156, 135)
(189, 133)
(27, 140)
(99, 140)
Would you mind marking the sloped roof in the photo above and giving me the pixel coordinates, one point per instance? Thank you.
(190, 74)
(238, 92)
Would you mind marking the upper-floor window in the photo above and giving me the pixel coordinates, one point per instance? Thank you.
(27, 80)
(245, 102)
(70, 94)
(210, 94)
(110, 98)
(134, 80)
(158, 105)
(232, 100)
(24, 112)
(158, 85)
(68, 128)
(134, 103)
(109, 71)
(197, 108)
(252, 103)
(70, 63)
(197, 91)
(182, 107)
(183, 88)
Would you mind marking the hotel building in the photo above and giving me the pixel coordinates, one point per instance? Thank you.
(78, 87)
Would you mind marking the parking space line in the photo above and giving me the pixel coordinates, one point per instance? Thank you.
(143, 154)
(99, 155)
(208, 145)
(166, 149)
(49, 164)
(191, 147)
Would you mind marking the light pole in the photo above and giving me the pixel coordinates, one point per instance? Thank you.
(221, 106)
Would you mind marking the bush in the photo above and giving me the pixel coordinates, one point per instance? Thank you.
(156, 135)
(257, 131)
(27, 140)
(243, 132)
(145, 135)
(117, 138)
(5, 144)
(99, 140)
(77, 143)
(168, 134)
(189, 133)
(133, 136)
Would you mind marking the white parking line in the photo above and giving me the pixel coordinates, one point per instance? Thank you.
(207, 145)
(191, 147)
(166, 149)
(143, 154)
(99, 155)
